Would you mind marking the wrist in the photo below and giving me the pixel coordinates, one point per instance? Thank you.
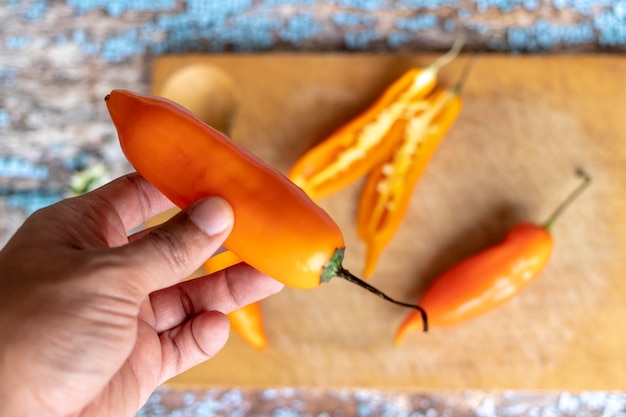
(16, 396)
(15, 402)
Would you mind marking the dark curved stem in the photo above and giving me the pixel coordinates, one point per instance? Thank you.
(345, 274)
(585, 181)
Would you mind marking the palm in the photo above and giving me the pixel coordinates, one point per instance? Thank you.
(133, 383)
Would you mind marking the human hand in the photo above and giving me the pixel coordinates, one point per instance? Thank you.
(92, 321)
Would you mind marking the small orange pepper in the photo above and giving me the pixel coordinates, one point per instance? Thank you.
(278, 229)
(486, 280)
(221, 261)
(247, 322)
(367, 139)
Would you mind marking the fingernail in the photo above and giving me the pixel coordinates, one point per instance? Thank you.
(213, 215)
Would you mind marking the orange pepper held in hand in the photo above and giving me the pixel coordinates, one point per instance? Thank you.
(368, 139)
(486, 280)
(278, 229)
(187, 160)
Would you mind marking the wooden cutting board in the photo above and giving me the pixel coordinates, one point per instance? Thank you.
(527, 123)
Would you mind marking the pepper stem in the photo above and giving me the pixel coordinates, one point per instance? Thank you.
(345, 274)
(586, 180)
(458, 87)
(445, 59)
(334, 269)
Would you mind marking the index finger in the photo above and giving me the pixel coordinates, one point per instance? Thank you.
(223, 291)
(133, 199)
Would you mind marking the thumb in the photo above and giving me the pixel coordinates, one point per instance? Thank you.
(175, 249)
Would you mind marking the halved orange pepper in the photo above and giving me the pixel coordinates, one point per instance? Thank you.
(486, 280)
(388, 189)
(278, 229)
(367, 139)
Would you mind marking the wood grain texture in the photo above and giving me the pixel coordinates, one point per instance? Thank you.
(527, 123)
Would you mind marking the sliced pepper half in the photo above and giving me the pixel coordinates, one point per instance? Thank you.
(369, 138)
(388, 189)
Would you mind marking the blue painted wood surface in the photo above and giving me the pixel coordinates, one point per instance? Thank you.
(126, 28)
